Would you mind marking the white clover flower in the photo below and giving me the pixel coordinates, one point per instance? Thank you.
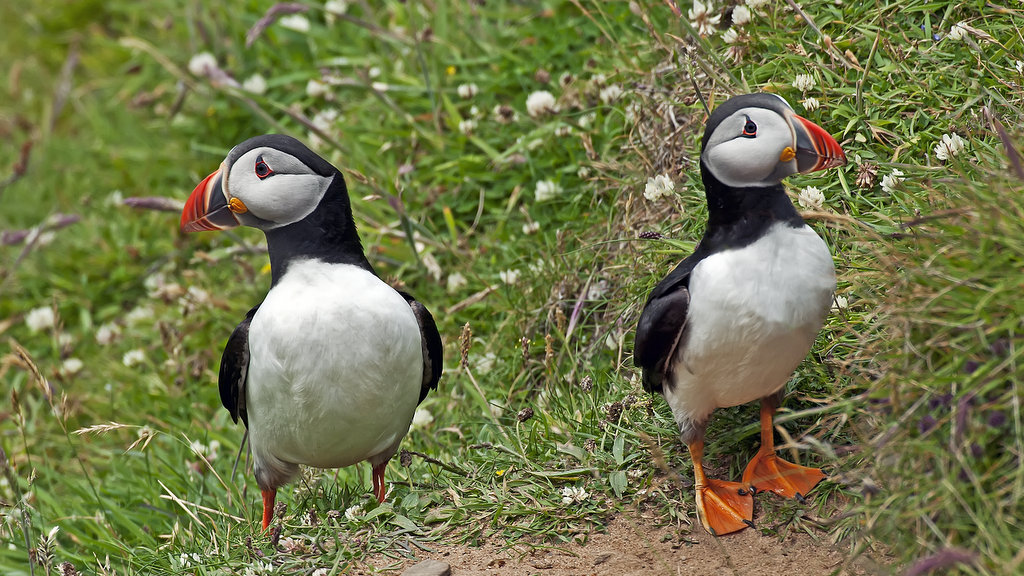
(840, 302)
(510, 276)
(380, 86)
(546, 190)
(890, 181)
(133, 357)
(353, 512)
(810, 103)
(958, 31)
(563, 130)
(467, 126)
(456, 281)
(208, 452)
(325, 119)
(803, 82)
(730, 36)
(373, 72)
(531, 228)
(701, 19)
(485, 363)
(107, 333)
(422, 417)
(336, 7)
(316, 89)
(203, 64)
(296, 22)
(610, 93)
(811, 197)
(540, 103)
(755, 4)
(583, 172)
(138, 314)
(255, 84)
(950, 145)
(1019, 65)
(571, 494)
(71, 366)
(321, 572)
(740, 15)
(41, 318)
(467, 91)
(658, 187)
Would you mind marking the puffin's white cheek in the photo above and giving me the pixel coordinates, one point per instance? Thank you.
(741, 165)
(288, 197)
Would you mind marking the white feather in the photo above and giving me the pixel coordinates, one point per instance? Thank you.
(753, 316)
(335, 370)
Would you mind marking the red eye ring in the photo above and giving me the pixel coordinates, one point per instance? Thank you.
(749, 129)
(263, 171)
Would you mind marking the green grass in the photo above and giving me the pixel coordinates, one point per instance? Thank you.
(932, 307)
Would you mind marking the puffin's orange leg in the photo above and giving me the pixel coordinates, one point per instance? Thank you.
(722, 507)
(268, 506)
(768, 472)
(380, 489)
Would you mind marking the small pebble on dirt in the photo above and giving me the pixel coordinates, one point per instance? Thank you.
(429, 568)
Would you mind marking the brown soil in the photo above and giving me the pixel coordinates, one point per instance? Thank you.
(633, 545)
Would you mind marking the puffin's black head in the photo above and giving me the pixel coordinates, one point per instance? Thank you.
(265, 182)
(757, 140)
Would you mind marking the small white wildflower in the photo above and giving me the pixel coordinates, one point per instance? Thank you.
(611, 342)
(571, 494)
(958, 31)
(380, 86)
(198, 295)
(546, 190)
(321, 572)
(840, 302)
(456, 281)
(598, 79)
(467, 126)
(71, 366)
(467, 91)
(811, 197)
(485, 363)
(730, 36)
(325, 119)
(353, 512)
(583, 172)
(633, 110)
(810, 104)
(208, 452)
(610, 93)
(509, 276)
(701, 19)
(255, 84)
(422, 417)
(659, 186)
(540, 103)
(803, 82)
(39, 319)
(133, 357)
(138, 314)
(107, 333)
(1019, 65)
(316, 89)
(755, 4)
(740, 15)
(531, 228)
(950, 145)
(203, 64)
(296, 22)
(474, 112)
(563, 130)
(890, 181)
(373, 72)
(336, 7)
(504, 114)
(587, 119)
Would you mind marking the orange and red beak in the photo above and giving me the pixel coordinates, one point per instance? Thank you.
(815, 148)
(207, 207)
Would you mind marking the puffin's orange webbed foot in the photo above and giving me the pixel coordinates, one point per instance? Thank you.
(766, 472)
(724, 507)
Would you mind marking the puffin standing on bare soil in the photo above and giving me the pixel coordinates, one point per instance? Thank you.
(328, 370)
(735, 318)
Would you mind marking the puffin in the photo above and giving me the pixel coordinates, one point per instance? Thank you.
(732, 321)
(329, 368)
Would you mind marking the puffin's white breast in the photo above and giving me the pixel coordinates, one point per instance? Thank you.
(335, 367)
(754, 313)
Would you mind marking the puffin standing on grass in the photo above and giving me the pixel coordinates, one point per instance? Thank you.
(735, 318)
(328, 370)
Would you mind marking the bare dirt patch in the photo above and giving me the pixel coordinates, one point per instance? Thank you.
(634, 545)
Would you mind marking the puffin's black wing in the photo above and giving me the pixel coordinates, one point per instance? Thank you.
(234, 369)
(661, 329)
(433, 350)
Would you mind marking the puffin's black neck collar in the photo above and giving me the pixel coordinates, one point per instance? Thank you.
(739, 216)
(328, 234)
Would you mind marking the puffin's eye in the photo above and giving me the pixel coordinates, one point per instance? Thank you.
(262, 170)
(749, 129)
